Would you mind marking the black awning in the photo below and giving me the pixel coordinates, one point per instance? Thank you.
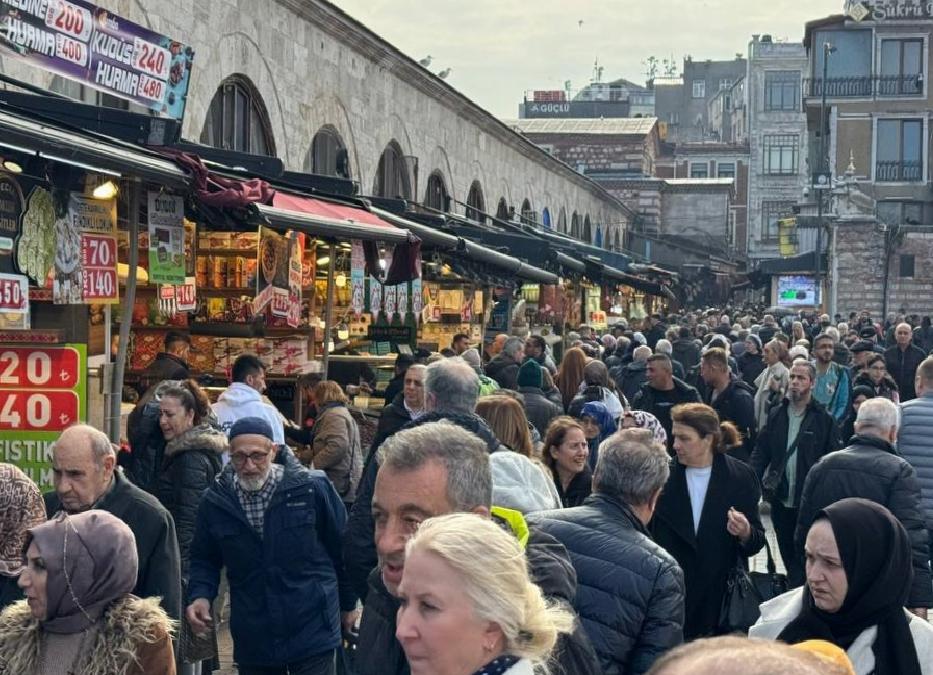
(802, 262)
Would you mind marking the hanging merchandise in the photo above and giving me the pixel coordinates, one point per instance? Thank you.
(417, 301)
(166, 238)
(390, 302)
(375, 298)
(357, 277)
(401, 292)
(86, 252)
(272, 279)
(296, 244)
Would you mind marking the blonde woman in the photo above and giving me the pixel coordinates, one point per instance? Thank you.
(468, 605)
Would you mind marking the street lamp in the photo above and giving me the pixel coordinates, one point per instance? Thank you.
(823, 182)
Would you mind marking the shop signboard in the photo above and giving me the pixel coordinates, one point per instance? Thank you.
(86, 252)
(166, 238)
(92, 45)
(889, 10)
(42, 392)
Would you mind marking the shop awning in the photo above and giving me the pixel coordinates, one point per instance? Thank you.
(88, 151)
(448, 242)
(531, 250)
(637, 282)
(802, 262)
(331, 221)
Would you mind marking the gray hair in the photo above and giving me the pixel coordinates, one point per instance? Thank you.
(462, 453)
(451, 385)
(879, 414)
(811, 369)
(101, 447)
(632, 467)
(641, 353)
(513, 346)
(664, 347)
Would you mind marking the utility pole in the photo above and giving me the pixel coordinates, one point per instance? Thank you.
(821, 171)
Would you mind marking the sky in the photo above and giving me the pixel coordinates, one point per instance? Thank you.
(497, 49)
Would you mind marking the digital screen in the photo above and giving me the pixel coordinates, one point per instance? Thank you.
(793, 290)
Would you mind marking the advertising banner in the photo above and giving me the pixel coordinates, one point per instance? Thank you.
(272, 272)
(91, 45)
(42, 392)
(296, 245)
(166, 239)
(86, 252)
(357, 277)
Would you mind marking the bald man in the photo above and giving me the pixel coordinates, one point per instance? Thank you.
(85, 476)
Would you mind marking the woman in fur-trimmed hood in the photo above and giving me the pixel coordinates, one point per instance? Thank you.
(79, 616)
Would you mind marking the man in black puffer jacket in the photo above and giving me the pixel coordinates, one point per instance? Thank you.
(631, 591)
(871, 468)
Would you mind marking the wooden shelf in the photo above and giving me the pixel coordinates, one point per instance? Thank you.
(229, 329)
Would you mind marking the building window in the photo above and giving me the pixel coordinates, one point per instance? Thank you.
(435, 196)
(782, 90)
(780, 154)
(476, 204)
(900, 213)
(699, 89)
(502, 210)
(725, 84)
(699, 170)
(392, 179)
(901, 68)
(725, 169)
(237, 120)
(899, 151)
(906, 268)
(771, 213)
(849, 69)
(529, 217)
(328, 156)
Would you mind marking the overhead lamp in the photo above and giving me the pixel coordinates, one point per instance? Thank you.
(324, 260)
(12, 166)
(106, 190)
(382, 263)
(340, 280)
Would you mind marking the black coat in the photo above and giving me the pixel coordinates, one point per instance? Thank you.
(156, 543)
(380, 653)
(147, 445)
(820, 437)
(902, 365)
(578, 490)
(165, 367)
(395, 387)
(737, 405)
(392, 418)
(630, 593)
(750, 367)
(504, 371)
(539, 409)
(871, 468)
(707, 556)
(630, 377)
(686, 351)
(190, 465)
(647, 399)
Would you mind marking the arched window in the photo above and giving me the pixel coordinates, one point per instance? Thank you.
(562, 221)
(529, 216)
(476, 204)
(237, 119)
(598, 242)
(392, 179)
(618, 241)
(587, 230)
(575, 225)
(546, 218)
(328, 155)
(502, 211)
(435, 196)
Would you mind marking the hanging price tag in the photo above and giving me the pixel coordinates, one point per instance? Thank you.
(186, 296)
(14, 293)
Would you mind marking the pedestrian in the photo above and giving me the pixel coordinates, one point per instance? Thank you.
(143, 462)
(639, 419)
(915, 438)
(598, 425)
(858, 579)
(832, 384)
(734, 655)
(80, 615)
(631, 591)
(751, 363)
(731, 398)
(169, 364)
(861, 352)
(630, 377)
(407, 405)
(275, 527)
(489, 616)
(707, 515)
(243, 398)
(335, 448)
(431, 470)
(21, 508)
(875, 377)
(460, 343)
(772, 382)
(685, 349)
(596, 387)
(860, 394)
(539, 409)
(570, 375)
(402, 363)
(664, 346)
(536, 350)
(923, 335)
(506, 418)
(521, 483)
(85, 477)
(797, 434)
(565, 454)
(303, 433)
(504, 367)
(902, 360)
(870, 468)
(662, 392)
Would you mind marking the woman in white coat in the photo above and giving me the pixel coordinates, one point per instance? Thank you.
(858, 565)
(468, 606)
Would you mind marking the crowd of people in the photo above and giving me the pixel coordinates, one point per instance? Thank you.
(518, 508)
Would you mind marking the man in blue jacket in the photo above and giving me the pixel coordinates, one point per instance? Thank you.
(276, 527)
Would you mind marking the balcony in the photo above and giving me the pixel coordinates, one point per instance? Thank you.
(867, 86)
(899, 171)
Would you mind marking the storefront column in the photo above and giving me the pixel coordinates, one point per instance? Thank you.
(329, 307)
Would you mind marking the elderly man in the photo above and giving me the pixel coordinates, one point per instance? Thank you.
(407, 405)
(631, 591)
(902, 360)
(495, 347)
(664, 346)
(630, 377)
(431, 470)
(504, 367)
(275, 526)
(85, 476)
(871, 468)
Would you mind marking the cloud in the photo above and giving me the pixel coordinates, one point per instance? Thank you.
(499, 49)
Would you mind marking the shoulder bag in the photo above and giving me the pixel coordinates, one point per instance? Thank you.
(773, 477)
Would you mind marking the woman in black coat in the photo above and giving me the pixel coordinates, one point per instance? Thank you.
(707, 516)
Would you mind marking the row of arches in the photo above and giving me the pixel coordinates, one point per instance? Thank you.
(237, 120)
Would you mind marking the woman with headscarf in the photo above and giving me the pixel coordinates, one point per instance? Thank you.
(644, 420)
(79, 616)
(598, 386)
(21, 507)
(858, 565)
(875, 376)
(598, 425)
(860, 394)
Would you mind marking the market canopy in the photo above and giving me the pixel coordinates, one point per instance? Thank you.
(330, 219)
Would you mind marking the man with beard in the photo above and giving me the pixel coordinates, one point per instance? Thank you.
(798, 433)
(275, 526)
(832, 384)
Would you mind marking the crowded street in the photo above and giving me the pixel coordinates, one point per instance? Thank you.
(346, 337)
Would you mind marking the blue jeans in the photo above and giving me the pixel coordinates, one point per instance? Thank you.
(321, 664)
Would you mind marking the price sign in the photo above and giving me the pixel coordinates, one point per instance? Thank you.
(14, 293)
(98, 260)
(151, 59)
(69, 19)
(42, 392)
(186, 296)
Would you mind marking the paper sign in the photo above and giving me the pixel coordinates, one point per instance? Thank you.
(166, 238)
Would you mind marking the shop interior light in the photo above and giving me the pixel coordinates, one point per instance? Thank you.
(382, 263)
(340, 280)
(106, 190)
(12, 166)
(323, 261)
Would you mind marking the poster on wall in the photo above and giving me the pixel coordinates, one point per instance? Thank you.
(272, 273)
(42, 392)
(85, 256)
(401, 300)
(166, 239)
(91, 45)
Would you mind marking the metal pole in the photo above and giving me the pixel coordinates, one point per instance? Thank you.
(821, 169)
(129, 299)
(329, 308)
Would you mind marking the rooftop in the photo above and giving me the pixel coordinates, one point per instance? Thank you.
(621, 126)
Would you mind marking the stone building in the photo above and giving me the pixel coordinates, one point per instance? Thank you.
(683, 105)
(302, 80)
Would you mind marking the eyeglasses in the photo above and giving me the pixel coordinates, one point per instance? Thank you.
(239, 459)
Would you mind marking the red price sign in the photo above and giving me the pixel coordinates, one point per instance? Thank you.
(99, 262)
(70, 19)
(29, 410)
(186, 296)
(151, 59)
(30, 367)
(14, 293)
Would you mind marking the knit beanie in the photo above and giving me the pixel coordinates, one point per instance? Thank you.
(250, 425)
(529, 375)
(757, 340)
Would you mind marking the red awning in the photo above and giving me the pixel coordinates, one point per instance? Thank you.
(318, 207)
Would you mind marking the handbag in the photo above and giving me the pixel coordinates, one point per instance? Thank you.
(769, 584)
(771, 481)
(739, 610)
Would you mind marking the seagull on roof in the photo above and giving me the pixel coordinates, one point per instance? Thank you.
(426, 61)
(444, 73)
